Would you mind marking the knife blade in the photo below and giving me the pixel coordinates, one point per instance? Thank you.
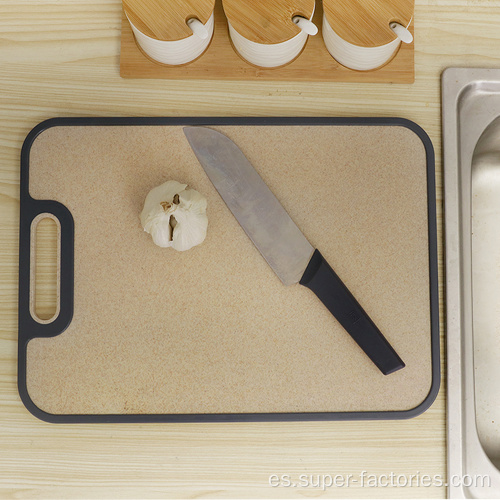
(282, 243)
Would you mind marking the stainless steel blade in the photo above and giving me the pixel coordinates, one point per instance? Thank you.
(253, 204)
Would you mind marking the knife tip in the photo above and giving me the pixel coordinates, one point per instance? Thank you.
(199, 135)
(192, 132)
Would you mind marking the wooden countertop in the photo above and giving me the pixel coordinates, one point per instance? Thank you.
(61, 59)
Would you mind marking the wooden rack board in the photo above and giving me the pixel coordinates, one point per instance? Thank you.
(212, 333)
(221, 62)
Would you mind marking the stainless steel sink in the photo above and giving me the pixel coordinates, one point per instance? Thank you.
(471, 134)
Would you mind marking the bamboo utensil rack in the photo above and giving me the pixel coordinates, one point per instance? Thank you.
(221, 62)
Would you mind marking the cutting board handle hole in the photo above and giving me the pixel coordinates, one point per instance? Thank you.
(45, 268)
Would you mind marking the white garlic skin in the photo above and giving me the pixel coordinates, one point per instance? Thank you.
(187, 208)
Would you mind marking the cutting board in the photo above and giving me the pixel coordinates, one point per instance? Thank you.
(150, 334)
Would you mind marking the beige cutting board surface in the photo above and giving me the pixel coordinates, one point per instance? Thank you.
(213, 329)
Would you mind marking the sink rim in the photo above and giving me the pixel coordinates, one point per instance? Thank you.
(465, 454)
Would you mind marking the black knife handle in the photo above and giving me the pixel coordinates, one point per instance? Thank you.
(324, 282)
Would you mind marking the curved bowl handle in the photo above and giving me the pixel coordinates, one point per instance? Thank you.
(305, 25)
(401, 32)
(198, 28)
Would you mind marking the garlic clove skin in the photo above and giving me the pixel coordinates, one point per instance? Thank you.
(157, 224)
(163, 193)
(175, 216)
(190, 230)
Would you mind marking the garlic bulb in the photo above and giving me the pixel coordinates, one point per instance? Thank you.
(175, 216)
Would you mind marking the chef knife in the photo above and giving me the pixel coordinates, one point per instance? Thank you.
(282, 243)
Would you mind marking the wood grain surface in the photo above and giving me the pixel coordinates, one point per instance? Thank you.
(61, 59)
(366, 22)
(166, 19)
(262, 21)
